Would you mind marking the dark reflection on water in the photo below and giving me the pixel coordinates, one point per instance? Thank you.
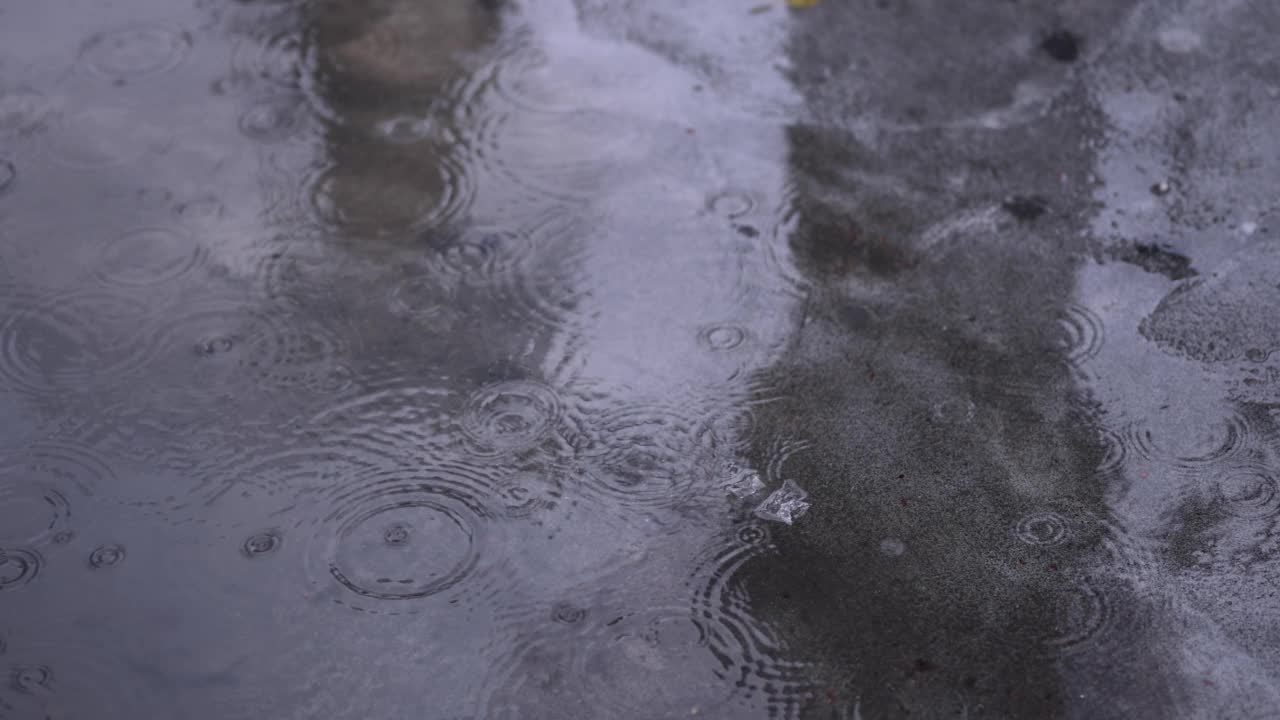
(409, 359)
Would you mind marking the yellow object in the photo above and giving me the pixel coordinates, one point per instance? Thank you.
(802, 3)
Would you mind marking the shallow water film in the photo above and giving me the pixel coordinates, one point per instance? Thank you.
(595, 359)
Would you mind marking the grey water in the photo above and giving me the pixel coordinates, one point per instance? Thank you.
(595, 359)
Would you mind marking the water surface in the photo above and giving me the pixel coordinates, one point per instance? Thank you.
(430, 359)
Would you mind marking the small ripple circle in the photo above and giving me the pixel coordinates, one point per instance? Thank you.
(106, 556)
(263, 543)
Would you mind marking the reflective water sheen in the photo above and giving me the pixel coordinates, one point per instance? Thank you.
(596, 359)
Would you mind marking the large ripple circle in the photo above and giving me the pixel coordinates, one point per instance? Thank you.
(399, 536)
(510, 416)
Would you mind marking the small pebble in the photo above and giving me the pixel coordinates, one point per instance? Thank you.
(892, 547)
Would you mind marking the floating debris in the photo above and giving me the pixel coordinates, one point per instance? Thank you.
(744, 482)
(785, 505)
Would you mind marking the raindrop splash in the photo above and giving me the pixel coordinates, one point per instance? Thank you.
(274, 118)
(483, 255)
(32, 679)
(731, 204)
(650, 458)
(41, 490)
(277, 58)
(1080, 334)
(1250, 493)
(18, 567)
(1043, 528)
(510, 416)
(106, 556)
(392, 198)
(1199, 443)
(262, 543)
(149, 256)
(400, 537)
(568, 614)
(136, 51)
(722, 338)
(65, 342)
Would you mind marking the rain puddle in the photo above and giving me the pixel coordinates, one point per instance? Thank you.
(585, 359)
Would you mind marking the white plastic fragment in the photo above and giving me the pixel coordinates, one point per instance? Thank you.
(743, 481)
(784, 505)
(746, 484)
